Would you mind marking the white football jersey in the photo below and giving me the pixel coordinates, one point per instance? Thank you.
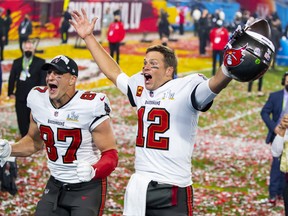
(66, 131)
(167, 126)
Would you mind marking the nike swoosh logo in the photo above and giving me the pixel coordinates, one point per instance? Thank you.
(84, 197)
(102, 98)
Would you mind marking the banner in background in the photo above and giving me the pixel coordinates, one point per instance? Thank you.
(65, 5)
(138, 16)
(39, 14)
(261, 7)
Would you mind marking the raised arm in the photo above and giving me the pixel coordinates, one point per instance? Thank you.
(247, 55)
(219, 81)
(105, 62)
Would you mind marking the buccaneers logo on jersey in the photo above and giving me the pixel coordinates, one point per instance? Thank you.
(234, 57)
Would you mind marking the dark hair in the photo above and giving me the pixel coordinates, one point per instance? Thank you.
(170, 59)
(8, 11)
(283, 78)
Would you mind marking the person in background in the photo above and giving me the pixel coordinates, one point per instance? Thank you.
(24, 30)
(237, 21)
(1, 79)
(2, 34)
(106, 21)
(219, 37)
(24, 75)
(272, 112)
(8, 22)
(203, 31)
(246, 16)
(259, 88)
(181, 21)
(196, 14)
(276, 38)
(118, 12)
(279, 149)
(116, 34)
(163, 24)
(64, 26)
(74, 127)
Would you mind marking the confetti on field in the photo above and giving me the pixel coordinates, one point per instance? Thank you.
(230, 174)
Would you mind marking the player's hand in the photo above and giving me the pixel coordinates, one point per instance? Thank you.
(85, 171)
(225, 71)
(284, 121)
(5, 148)
(12, 96)
(81, 23)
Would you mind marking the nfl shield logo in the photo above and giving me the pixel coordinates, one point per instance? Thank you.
(56, 113)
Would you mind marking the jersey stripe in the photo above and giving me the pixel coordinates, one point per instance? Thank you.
(189, 194)
(103, 196)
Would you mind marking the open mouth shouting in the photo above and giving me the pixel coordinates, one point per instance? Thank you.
(147, 77)
(52, 88)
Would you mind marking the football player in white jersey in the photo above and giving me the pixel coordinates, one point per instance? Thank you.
(168, 111)
(75, 129)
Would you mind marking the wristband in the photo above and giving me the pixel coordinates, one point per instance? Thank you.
(107, 164)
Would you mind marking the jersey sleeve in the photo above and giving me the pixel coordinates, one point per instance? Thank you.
(202, 97)
(101, 112)
(33, 95)
(35, 98)
(135, 88)
(122, 83)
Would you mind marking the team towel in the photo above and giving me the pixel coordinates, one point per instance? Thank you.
(135, 195)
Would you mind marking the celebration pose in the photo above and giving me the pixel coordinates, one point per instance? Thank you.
(168, 111)
(74, 127)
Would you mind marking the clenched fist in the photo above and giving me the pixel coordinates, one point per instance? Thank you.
(5, 151)
(5, 148)
(85, 171)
